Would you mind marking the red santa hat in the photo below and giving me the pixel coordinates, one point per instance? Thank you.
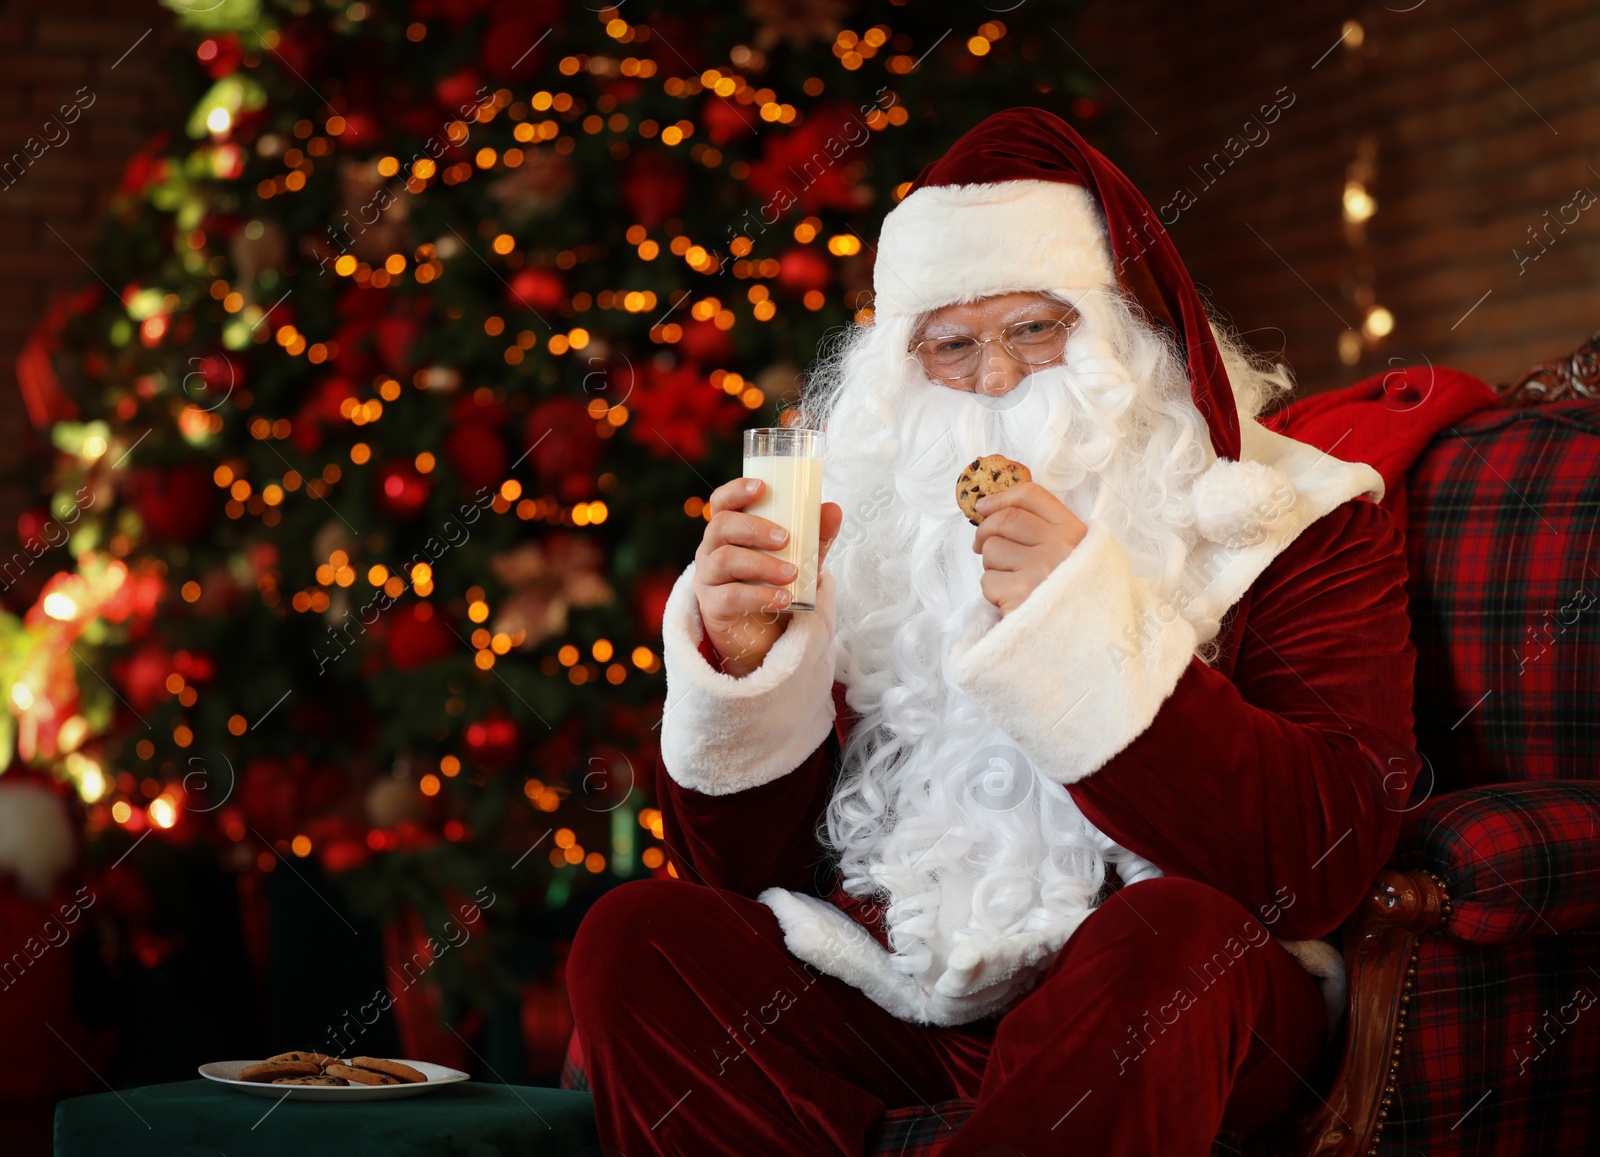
(1022, 202)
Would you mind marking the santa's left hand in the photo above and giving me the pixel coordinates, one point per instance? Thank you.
(1025, 534)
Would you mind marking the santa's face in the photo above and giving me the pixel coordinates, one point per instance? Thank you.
(1006, 337)
(991, 376)
(1071, 384)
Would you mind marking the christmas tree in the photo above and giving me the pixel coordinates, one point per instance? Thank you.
(391, 411)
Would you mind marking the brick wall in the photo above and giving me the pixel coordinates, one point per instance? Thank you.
(48, 52)
(1481, 117)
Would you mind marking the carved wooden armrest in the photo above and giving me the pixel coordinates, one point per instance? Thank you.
(1380, 947)
(1575, 376)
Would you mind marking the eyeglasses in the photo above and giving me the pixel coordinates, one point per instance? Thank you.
(1037, 342)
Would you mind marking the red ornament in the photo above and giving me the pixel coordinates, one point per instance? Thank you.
(319, 410)
(220, 55)
(221, 226)
(302, 50)
(773, 178)
(418, 636)
(146, 166)
(492, 741)
(704, 343)
(565, 449)
(481, 407)
(477, 455)
(653, 187)
(217, 374)
(650, 593)
(724, 121)
(176, 503)
(458, 92)
(194, 667)
(280, 797)
(624, 89)
(402, 490)
(675, 410)
(394, 337)
(31, 525)
(453, 13)
(512, 48)
(137, 599)
(143, 676)
(343, 854)
(536, 289)
(362, 129)
(801, 269)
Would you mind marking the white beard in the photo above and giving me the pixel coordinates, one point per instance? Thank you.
(938, 813)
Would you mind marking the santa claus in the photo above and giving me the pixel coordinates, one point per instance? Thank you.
(1054, 814)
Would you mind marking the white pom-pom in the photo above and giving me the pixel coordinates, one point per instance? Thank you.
(1237, 503)
(35, 838)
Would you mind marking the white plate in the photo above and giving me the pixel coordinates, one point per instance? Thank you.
(227, 1073)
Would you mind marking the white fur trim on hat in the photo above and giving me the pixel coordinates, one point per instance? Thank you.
(950, 243)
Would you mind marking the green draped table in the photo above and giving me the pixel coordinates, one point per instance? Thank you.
(202, 1119)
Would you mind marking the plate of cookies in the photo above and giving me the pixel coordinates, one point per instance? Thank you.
(313, 1076)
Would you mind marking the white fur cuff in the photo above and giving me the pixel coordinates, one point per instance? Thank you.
(1080, 669)
(721, 734)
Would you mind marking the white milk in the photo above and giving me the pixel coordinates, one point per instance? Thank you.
(792, 499)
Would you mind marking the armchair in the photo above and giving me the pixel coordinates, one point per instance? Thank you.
(1475, 957)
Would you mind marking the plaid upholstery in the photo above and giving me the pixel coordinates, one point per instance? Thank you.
(1518, 860)
(1489, 1020)
(1501, 1053)
(1502, 552)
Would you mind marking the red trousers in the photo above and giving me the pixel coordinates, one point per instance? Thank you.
(1170, 1014)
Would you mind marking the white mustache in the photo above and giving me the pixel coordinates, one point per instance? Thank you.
(941, 430)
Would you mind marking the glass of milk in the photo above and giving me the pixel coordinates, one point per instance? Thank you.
(789, 461)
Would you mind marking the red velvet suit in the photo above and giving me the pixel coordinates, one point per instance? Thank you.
(1269, 789)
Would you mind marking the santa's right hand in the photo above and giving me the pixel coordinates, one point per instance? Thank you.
(738, 582)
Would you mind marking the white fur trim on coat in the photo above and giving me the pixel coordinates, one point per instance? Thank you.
(983, 977)
(1080, 669)
(721, 734)
(1034, 235)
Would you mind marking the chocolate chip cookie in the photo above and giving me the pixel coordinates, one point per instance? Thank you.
(987, 475)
